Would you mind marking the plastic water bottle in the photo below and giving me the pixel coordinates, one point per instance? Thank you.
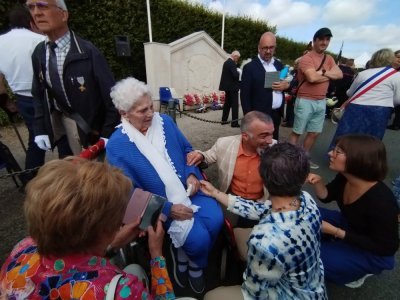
(284, 72)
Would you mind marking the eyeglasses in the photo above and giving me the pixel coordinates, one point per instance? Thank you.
(268, 48)
(41, 5)
(337, 151)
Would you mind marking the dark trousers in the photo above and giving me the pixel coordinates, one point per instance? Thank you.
(289, 117)
(396, 120)
(276, 115)
(34, 155)
(231, 101)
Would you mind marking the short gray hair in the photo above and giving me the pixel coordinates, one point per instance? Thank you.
(254, 115)
(61, 4)
(381, 58)
(235, 53)
(127, 92)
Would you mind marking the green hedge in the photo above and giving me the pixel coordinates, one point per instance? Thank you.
(101, 20)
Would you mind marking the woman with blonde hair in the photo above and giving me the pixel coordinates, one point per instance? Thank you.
(74, 210)
(373, 94)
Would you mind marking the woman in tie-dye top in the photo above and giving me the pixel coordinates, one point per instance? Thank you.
(283, 257)
(74, 210)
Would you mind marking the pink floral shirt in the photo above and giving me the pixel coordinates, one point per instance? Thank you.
(26, 274)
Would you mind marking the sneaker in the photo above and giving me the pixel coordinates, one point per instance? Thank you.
(357, 283)
(313, 165)
(197, 284)
(181, 278)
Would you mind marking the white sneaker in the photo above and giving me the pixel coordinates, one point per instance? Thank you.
(313, 165)
(357, 283)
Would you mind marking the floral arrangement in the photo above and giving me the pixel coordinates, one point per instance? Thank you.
(213, 98)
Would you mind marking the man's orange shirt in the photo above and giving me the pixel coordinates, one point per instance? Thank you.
(246, 180)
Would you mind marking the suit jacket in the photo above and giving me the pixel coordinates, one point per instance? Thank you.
(84, 66)
(253, 95)
(224, 153)
(229, 77)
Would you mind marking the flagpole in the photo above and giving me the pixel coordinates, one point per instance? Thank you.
(149, 20)
(223, 26)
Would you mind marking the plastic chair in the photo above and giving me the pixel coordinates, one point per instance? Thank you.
(165, 96)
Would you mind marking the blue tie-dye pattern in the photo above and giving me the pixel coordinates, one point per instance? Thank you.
(284, 251)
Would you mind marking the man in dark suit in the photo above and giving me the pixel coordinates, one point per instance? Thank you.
(230, 85)
(253, 93)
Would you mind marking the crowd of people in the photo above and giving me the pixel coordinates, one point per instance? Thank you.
(74, 208)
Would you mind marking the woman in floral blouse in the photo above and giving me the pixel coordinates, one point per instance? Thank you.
(74, 210)
(283, 259)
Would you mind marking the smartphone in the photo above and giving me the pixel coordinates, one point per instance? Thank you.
(152, 211)
(145, 205)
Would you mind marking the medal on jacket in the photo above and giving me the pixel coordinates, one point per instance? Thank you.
(81, 81)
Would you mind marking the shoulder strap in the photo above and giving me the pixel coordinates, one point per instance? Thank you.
(320, 66)
(359, 91)
(112, 288)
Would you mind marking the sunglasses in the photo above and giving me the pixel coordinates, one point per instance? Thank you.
(40, 5)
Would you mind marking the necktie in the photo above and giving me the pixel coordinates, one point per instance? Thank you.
(56, 87)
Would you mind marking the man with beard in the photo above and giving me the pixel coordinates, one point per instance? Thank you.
(316, 69)
(238, 158)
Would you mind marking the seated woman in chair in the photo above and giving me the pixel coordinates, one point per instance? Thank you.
(74, 210)
(283, 259)
(362, 238)
(151, 150)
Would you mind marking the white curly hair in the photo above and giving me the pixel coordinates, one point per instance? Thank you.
(127, 92)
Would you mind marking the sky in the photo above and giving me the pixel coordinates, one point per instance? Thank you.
(364, 26)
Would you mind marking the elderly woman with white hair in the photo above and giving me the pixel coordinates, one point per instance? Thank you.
(151, 150)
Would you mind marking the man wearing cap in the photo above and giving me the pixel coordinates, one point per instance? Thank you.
(230, 85)
(71, 83)
(316, 69)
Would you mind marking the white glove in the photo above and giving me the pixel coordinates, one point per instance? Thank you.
(43, 142)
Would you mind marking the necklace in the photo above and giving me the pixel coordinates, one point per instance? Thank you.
(293, 203)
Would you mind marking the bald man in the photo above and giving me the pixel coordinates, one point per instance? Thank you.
(253, 93)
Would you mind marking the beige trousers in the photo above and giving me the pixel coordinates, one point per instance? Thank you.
(64, 125)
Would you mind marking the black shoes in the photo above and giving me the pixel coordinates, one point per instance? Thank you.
(224, 122)
(181, 278)
(235, 125)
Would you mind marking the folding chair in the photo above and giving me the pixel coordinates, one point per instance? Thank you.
(165, 96)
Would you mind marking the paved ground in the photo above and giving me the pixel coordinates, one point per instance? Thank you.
(202, 135)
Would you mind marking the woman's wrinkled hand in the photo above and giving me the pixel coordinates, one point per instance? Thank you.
(181, 212)
(195, 184)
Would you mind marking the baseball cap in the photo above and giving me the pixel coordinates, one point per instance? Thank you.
(322, 32)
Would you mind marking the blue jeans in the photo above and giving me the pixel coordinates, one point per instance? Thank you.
(344, 263)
